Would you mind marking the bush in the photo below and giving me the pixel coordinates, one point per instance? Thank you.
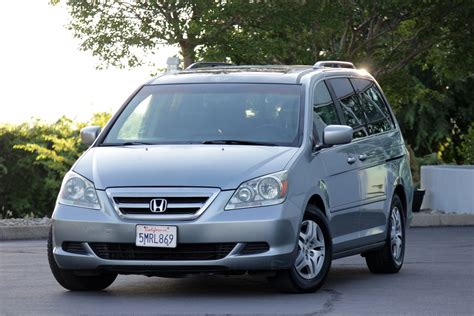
(33, 160)
(467, 146)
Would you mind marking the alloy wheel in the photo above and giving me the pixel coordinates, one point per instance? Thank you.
(311, 250)
(396, 235)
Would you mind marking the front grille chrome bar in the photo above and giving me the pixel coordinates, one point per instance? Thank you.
(194, 202)
(170, 205)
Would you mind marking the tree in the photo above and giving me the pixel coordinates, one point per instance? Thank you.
(382, 35)
(420, 51)
(414, 48)
(119, 32)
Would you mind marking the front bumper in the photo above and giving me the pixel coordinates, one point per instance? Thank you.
(276, 225)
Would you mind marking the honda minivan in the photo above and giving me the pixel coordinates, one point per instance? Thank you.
(273, 170)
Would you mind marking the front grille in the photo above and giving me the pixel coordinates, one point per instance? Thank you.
(253, 248)
(176, 205)
(119, 251)
(169, 211)
(74, 247)
(180, 202)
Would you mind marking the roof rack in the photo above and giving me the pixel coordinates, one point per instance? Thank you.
(334, 64)
(208, 65)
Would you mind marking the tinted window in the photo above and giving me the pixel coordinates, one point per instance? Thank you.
(376, 111)
(324, 111)
(193, 113)
(351, 107)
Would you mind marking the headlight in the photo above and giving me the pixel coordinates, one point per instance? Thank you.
(78, 191)
(267, 190)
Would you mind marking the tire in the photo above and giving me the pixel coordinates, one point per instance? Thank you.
(69, 280)
(313, 260)
(389, 259)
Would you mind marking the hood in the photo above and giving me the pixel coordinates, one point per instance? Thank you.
(219, 166)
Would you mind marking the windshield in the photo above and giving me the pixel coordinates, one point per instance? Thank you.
(259, 114)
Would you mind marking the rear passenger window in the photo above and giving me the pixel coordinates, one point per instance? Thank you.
(324, 110)
(376, 111)
(351, 108)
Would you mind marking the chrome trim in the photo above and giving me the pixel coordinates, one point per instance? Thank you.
(211, 193)
(185, 205)
(170, 205)
(133, 205)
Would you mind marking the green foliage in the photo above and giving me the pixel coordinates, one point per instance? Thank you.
(414, 166)
(55, 146)
(384, 36)
(420, 51)
(33, 160)
(433, 116)
(118, 32)
(467, 146)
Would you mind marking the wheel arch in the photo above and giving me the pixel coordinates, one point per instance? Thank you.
(400, 192)
(317, 201)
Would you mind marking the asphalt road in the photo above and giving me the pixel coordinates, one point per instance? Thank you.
(437, 279)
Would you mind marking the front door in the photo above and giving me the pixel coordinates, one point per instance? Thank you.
(340, 179)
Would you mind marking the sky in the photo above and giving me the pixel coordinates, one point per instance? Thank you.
(43, 74)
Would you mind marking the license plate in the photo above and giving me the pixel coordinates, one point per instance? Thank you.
(156, 236)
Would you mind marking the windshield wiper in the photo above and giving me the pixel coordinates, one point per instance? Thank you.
(237, 142)
(126, 144)
(135, 143)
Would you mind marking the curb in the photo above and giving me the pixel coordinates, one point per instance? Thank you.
(419, 220)
(441, 220)
(24, 232)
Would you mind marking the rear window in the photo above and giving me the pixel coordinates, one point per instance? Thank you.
(350, 105)
(376, 110)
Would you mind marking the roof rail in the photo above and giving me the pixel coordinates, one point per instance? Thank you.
(334, 64)
(203, 64)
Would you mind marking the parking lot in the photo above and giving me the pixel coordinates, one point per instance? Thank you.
(437, 279)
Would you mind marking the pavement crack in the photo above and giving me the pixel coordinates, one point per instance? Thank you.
(334, 297)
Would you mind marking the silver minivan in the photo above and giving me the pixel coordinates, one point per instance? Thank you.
(273, 170)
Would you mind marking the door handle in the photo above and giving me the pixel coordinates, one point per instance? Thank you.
(351, 160)
(363, 157)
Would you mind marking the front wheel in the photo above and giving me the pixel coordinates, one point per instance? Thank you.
(313, 261)
(69, 280)
(389, 259)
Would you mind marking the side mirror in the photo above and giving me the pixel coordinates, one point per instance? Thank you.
(337, 135)
(89, 134)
